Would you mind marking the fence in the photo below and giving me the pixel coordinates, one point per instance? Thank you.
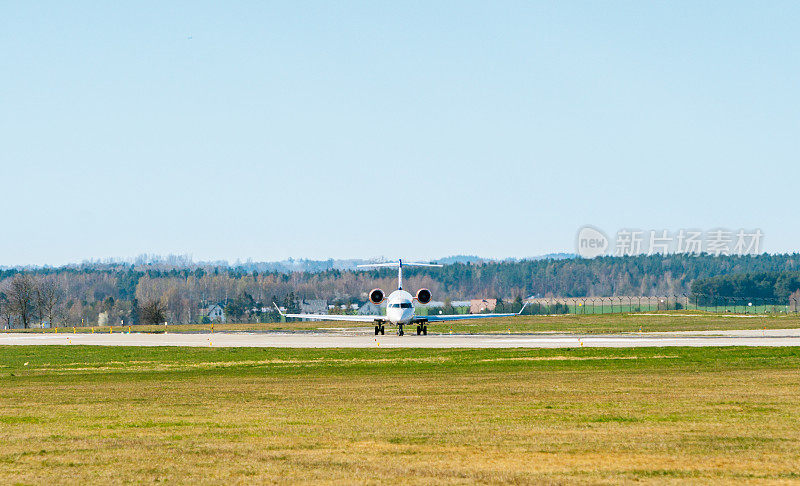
(628, 304)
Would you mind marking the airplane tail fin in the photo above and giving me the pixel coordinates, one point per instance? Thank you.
(399, 264)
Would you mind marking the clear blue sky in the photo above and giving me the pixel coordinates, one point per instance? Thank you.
(340, 129)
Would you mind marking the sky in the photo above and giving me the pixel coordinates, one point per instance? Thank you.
(268, 130)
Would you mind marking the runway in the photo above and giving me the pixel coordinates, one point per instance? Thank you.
(345, 339)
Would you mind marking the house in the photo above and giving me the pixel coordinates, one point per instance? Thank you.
(214, 312)
(369, 309)
(476, 306)
(314, 307)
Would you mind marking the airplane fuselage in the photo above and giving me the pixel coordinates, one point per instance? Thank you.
(400, 307)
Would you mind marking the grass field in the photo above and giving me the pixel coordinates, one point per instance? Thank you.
(119, 415)
(607, 323)
(597, 323)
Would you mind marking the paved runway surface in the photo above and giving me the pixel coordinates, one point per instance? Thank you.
(773, 337)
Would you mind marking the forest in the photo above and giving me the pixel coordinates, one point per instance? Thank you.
(775, 285)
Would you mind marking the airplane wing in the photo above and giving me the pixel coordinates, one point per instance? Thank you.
(458, 317)
(331, 317)
(336, 317)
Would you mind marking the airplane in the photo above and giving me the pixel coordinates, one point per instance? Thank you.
(399, 306)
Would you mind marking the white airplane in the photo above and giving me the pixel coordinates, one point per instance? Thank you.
(399, 306)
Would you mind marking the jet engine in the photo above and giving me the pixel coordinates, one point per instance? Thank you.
(423, 296)
(376, 296)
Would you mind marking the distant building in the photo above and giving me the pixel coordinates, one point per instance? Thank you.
(369, 309)
(314, 307)
(476, 306)
(215, 313)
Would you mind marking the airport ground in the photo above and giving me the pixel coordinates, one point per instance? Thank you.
(93, 414)
(365, 338)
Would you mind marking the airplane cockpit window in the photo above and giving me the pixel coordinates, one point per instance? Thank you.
(406, 305)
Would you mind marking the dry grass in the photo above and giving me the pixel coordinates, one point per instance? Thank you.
(608, 323)
(112, 415)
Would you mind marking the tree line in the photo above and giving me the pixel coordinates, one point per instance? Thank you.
(775, 286)
(117, 293)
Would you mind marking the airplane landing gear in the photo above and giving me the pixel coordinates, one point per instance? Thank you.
(379, 329)
(399, 329)
(422, 329)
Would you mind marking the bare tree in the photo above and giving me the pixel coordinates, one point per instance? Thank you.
(21, 294)
(153, 312)
(48, 298)
(5, 312)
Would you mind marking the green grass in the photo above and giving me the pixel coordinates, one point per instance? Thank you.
(590, 323)
(625, 307)
(202, 415)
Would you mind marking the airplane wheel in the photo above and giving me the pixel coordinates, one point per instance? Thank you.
(383, 330)
(419, 330)
(425, 330)
(377, 330)
(400, 331)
